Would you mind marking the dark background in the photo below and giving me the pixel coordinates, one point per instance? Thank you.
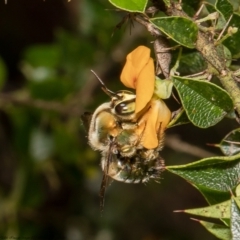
(49, 176)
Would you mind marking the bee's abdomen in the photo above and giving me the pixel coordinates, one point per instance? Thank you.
(135, 169)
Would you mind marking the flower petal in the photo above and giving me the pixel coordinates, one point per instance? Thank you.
(128, 76)
(157, 119)
(145, 86)
(136, 60)
(139, 57)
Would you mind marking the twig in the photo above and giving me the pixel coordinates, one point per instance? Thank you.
(9, 98)
(177, 144)
(84, 96)
(206, 46)
(149, 26)
(75, 106)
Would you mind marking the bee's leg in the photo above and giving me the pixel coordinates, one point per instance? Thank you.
(160, 136)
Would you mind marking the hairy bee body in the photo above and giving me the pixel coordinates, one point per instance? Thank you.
(103, 125)
(133, 169)
(116, 131)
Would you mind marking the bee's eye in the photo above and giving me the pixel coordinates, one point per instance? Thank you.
(125, 107)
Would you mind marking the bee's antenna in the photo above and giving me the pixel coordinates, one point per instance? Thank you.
(99, 79)
(104, 88)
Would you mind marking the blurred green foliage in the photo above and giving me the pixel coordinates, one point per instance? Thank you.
(49, 176)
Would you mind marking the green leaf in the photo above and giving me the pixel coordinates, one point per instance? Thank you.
(182, 30)
(163, 88)
(220, 231)
(237, 201)
(167, 3)
(230, 145)
(221, 210)
(186, 67)
(215, 173)
(179, 118)
(205, 103)
(43, 55)
(235, 220)
(228, 56)
(232, 43)
(211, 6)
(235, 4)
(190, 6)
(237, 191)
(51, 89)
(213, 196)
(225, 8)
(130, 5)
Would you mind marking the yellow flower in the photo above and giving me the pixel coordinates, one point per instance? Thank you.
(156, 120)
(138, 73)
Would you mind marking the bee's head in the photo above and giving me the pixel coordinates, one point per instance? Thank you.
(122, 102)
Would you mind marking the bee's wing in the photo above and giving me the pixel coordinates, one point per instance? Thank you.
(103, 190)
(105, 179)
(86, 118)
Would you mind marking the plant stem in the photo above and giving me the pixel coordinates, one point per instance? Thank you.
(232, 88)
(215, 57)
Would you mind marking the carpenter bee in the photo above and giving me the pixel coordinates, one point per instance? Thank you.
(116, 132)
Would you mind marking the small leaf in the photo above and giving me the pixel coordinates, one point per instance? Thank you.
(130, 5)
(215, 6)
(186, 67)
(220, 231)
(51, 89)
(43, 55)
(225, 8)
(167, 3)
(235, 4)
(179, 118)
(211, 6)
(213, 196)
(182, 30)
(215, 173)
(205, 103)
(163, 88)
(190, 6)
(235, 220)
(232, 43)
(228, 56)
(230, 145)
(237, 201)
(237, 191)
(221, 210)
